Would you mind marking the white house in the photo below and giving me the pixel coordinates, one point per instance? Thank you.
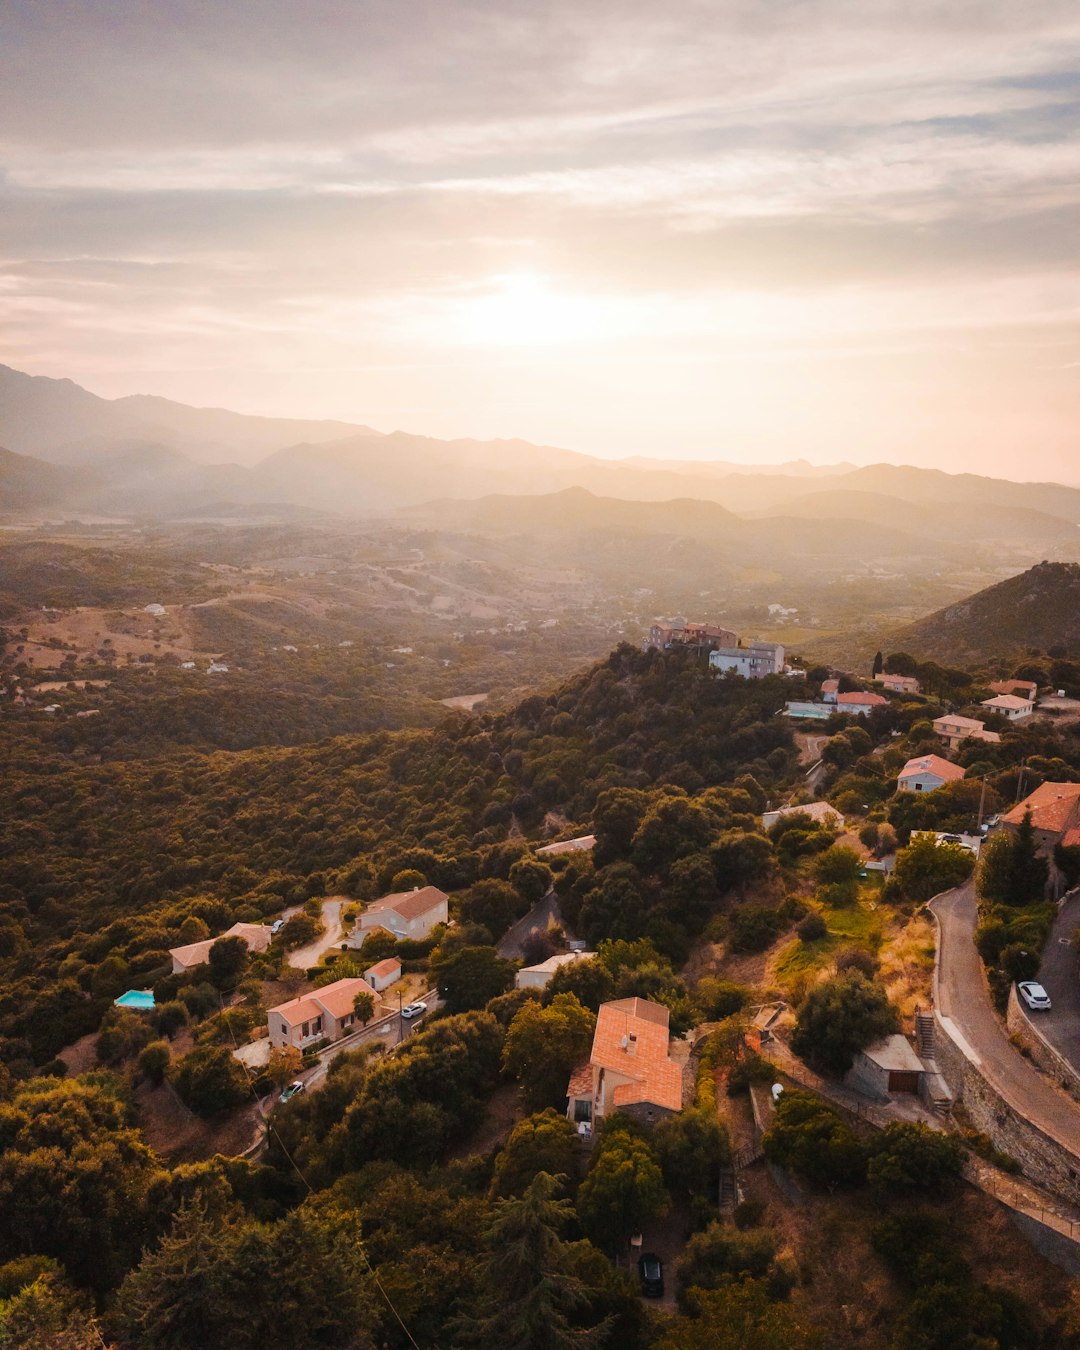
(926, 773)
(822, 812)
(156, 610)
(407, 914)
(216, 668)
(536, 977)
(184, 959)
(752, 662)
(1009, 705)
(383, 974)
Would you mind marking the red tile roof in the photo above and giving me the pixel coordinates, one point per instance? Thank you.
(631, 1041)
(409, 904)
(335, 999)
(934, 764)
(389, 966)
(869, 700)
(1054, 807)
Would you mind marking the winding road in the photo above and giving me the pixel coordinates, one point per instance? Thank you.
(964, 1007)
(305, 957)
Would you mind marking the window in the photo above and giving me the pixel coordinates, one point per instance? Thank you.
(582, 1110)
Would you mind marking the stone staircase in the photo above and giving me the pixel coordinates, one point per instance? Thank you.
(924, 1033)
(937, 1094)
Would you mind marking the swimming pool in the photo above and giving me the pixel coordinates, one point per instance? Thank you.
(140, 999)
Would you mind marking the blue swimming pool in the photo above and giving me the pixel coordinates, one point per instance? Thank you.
(140, 999)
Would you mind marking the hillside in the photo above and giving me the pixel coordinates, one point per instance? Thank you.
(1040, 608)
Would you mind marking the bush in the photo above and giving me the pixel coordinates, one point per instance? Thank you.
(840, 1017)
(714, 1258)
(717, 999)
(907, 1157)
(752, 1069)
(753, 928)
(811, 1139)
(812, 928)
(209, 1080)
(154, 1061)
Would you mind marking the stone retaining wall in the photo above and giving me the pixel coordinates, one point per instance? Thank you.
(1023, 1031)
(1044, 1160)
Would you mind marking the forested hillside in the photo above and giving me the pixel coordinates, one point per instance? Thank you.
(94, 853)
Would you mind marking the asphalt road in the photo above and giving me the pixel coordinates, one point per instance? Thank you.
(964, 1000)
(1059, 975)
(539, 919)
(391, 1031)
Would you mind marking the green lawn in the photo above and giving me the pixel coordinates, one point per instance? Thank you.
(857, 926)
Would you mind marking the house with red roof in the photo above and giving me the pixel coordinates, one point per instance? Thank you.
(324, 1014)
(1009, 705)
(926, 773)
(407, 914)
(629, 1067)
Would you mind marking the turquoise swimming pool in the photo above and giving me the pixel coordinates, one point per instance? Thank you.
(140, 999)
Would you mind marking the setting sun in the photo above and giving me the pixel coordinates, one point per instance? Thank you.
(519, 310)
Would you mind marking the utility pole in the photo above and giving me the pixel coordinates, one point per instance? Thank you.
(400, 1020)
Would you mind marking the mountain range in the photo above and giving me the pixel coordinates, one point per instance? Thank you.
(68, 451)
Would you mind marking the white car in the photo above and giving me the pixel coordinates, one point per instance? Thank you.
(1034, 995)
(414, 1010)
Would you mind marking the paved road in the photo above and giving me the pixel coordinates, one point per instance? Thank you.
(964, 1001)
(539, 919)
(390, 1030)
(1060, 977)
(304, 957)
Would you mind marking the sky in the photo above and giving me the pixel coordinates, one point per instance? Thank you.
(752, 230)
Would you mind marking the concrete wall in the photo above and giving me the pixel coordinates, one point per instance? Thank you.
(1044, 1160)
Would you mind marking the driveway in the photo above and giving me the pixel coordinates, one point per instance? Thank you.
(539, 919)
(964, 1002)
(1059, 976)
(305, 957)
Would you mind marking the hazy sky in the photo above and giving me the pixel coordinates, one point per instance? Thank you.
(755, 230)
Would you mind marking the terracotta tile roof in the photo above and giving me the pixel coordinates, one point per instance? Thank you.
(631, 1040)
(1016, 687)
(409, 904)
(868, 700)
(580, 1084)
(337, 998)
(934, 764)
(1071, 838)
(1054, 807)
(298, 1010)
(961, 723)
(390, 965)
(256, 935)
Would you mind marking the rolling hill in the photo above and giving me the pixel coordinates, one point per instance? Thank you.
(1038, 609)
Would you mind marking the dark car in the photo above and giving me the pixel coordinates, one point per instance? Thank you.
(651, 1273)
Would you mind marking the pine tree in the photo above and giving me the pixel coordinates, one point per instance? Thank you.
(532, 1292)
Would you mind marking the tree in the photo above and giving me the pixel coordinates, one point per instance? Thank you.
(186, 1292)
(469, 977)
(907, 1157)
(879, 665)
(47, 1314)
(284, 1064)
(589, 981)
(840, 1017)
(926, 868)
(532, 1295)
(546, 1142)
(209, 1080)
(492, 904)
(228, 959)
(543, 1044)
(154, 1061)
(623, 1190)
(839, 866)
(692, 1146)
(741, 1317)
(531, 879)
(363, 1006)
(811, 1139)
(717, 1255)
(299, 930)
(1011, 870)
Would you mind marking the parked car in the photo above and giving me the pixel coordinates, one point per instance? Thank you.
(277, 926)
(1034, 995)
(414, 1010)
(287, 1094)
(651, 1274)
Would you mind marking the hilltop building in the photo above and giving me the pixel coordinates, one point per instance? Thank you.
(663, 636)
(1020, 688)
(629, 1068)
(899, 684)
(538, 976)
(753, 662)
(821, 812)
(859, 704)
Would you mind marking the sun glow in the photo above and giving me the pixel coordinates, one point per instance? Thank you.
(520, 310)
